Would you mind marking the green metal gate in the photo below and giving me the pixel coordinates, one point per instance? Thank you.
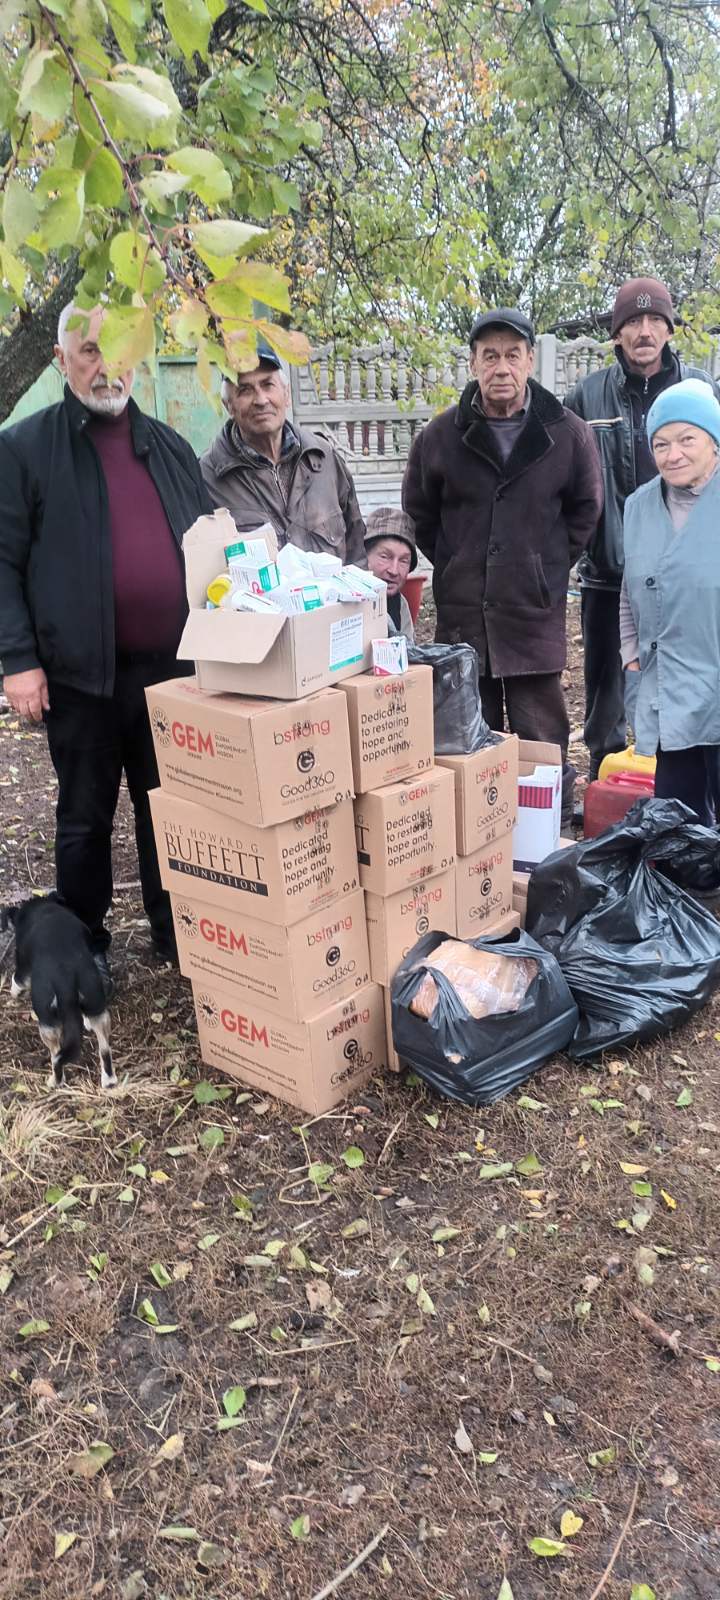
(171, 393)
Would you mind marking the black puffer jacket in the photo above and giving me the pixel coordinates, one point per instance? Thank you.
(56, 582)
(604, 399)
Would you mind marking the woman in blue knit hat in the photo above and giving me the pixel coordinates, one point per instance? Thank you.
(670, 600)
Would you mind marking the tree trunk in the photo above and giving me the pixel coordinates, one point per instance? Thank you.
(27, 351)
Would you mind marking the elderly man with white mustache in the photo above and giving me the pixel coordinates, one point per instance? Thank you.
(95, 498)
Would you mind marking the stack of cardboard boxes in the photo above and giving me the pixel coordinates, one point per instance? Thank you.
(275, 814)
(256, 841)
(434, 834)
(404, 818)
(486, 790)
(266, 857)
(255, 836)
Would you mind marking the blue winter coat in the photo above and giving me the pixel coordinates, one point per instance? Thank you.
(673, 585)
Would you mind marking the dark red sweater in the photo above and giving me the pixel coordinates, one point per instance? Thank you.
(148, 579)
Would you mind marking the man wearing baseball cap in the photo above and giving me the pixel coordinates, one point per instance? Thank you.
(615, 402)
(263, 468)
(505, 492)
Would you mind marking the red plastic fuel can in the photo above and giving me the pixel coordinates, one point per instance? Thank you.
(608, 799)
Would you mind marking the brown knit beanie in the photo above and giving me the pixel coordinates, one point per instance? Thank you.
(388, 522)
(638, 295)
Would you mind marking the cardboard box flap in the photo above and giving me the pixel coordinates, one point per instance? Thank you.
(229, 636)
(534, 752)
(204, 550)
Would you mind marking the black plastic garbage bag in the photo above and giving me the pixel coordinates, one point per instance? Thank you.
(480, 1060)
(639, 953)
(460, 727)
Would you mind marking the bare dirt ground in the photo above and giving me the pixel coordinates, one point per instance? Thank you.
(287, 1356)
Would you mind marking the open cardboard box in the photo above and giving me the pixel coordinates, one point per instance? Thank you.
(276, 656)
(537, 827)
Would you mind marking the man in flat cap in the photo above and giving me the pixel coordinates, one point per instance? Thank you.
(615, 402)
(505, 492)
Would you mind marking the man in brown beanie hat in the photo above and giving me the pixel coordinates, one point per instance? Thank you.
(615, 402)
(392, 556)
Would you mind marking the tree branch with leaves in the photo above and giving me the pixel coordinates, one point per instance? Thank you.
(127, 196)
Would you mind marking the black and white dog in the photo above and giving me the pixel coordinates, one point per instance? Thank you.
(53, 958)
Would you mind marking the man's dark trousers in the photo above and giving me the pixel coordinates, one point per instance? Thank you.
(536, 709)
(92, 741)
(605, 725)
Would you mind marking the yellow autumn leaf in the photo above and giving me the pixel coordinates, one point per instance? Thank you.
(670, 1203)
(158, 1176)
(172, 1448)
(570, 1524)
(632, 1168)
(63, 1541)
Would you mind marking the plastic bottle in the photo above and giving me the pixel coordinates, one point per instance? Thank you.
(626, 761)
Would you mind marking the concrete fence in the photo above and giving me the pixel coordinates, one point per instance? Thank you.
(371, 402)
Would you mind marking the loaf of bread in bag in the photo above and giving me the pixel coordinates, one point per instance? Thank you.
(486, 982)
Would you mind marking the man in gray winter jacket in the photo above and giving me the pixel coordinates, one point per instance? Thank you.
(615, 402)
(264, 469)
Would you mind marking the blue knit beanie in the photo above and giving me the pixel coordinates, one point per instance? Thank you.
(690, 401)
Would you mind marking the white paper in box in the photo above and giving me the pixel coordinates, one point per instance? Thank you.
(283, 657)
(537, 830)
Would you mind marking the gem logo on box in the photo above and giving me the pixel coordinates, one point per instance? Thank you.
(244, 1027)
(395, 688)
(187, 737)
(185, 915)
(306, 761)
(161, 725)
(333, 956)
(410, 795)
(492, 795)
(208, 1010)
(225, 938)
